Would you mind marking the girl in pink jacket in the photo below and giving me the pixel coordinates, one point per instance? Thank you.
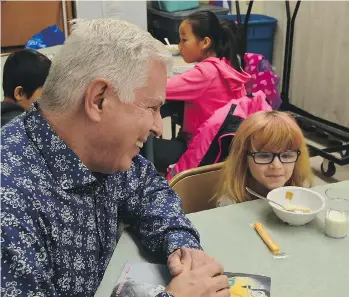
(213, 82)
(216, 78)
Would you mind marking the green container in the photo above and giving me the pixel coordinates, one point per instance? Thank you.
(172, 6)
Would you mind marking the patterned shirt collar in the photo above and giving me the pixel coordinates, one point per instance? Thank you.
(64, 164)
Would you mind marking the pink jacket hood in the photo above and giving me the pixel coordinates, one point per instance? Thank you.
(228, 73)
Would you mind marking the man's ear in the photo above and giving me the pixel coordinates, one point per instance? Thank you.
(94, 98)
(18, 94)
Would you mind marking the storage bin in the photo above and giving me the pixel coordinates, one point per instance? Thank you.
(163, 24)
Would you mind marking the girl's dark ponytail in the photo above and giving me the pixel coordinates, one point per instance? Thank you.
(231, 46)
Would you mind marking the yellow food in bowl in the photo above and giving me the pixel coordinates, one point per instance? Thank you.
(173, 49)
(172, 46)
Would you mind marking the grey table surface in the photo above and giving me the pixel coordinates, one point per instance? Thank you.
(317, 266)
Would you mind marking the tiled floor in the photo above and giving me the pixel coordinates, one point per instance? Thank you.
(342, 172)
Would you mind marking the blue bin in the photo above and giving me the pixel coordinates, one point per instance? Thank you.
(260, 33)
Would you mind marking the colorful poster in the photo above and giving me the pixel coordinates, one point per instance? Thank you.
(147, 280)
(248, 285)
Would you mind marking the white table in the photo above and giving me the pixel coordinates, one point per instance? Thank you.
(317, 266)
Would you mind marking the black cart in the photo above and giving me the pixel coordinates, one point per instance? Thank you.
(325, 139)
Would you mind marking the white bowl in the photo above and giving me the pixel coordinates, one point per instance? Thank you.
(301, 197)
(173, 49)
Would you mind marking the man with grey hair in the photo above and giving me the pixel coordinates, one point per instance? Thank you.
(71, 172)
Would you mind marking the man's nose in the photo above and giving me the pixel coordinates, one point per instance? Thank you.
(157, 125)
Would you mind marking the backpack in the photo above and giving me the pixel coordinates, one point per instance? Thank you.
(262, 78)
(212, 142)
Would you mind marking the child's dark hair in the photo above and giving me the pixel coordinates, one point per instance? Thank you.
(238, 38)
(26, 68)
(223, 35)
